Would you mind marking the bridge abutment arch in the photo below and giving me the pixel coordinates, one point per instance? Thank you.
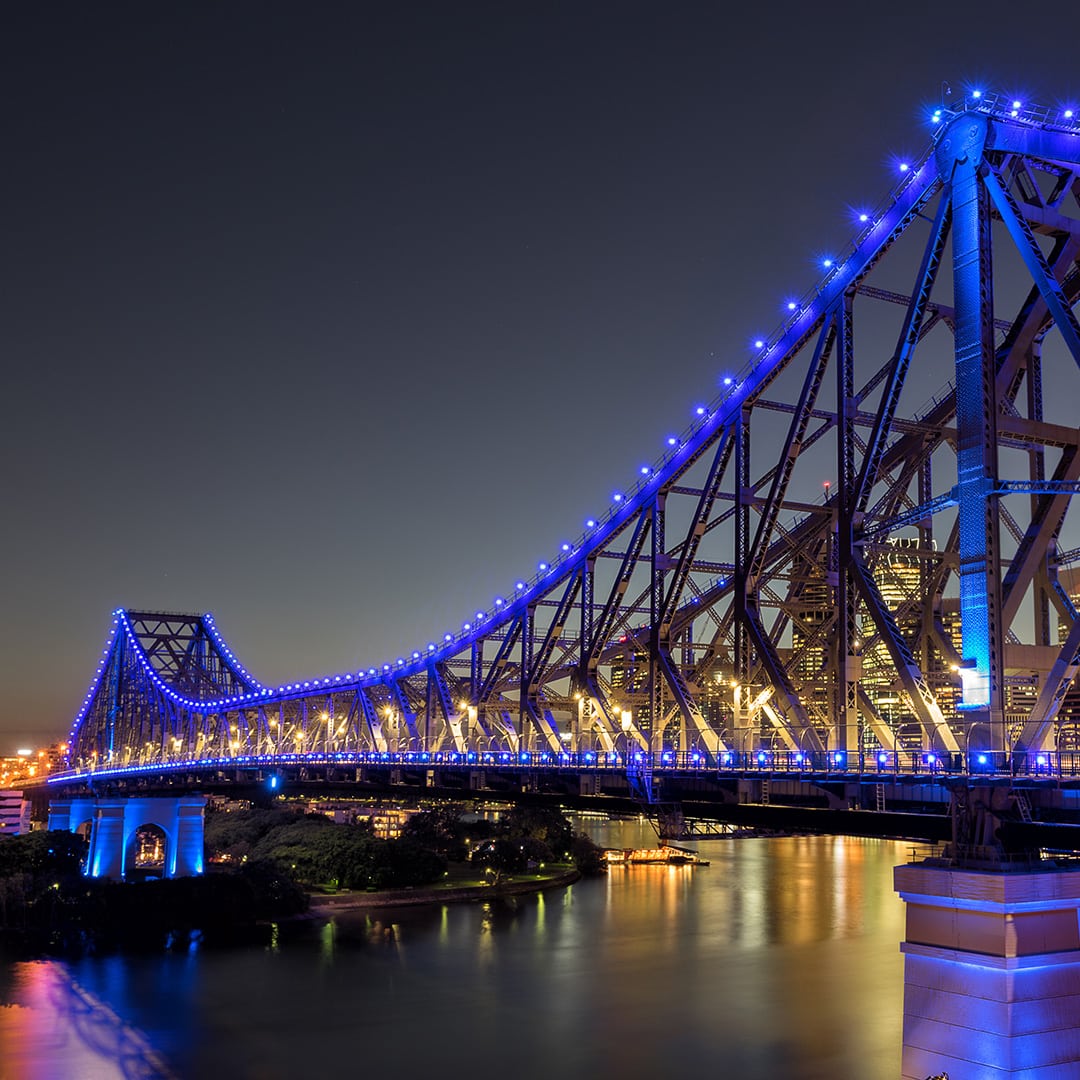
(115, 822)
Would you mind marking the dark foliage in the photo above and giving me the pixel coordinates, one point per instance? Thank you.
(588, 857)
(440, 830)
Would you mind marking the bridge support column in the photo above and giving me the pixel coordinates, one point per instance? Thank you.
(107, 839)
(991, 972)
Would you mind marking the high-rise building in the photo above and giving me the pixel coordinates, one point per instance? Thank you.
(14, 813)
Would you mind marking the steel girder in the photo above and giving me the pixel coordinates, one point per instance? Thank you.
(726, 601)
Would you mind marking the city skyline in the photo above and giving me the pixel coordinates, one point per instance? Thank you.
(487, 288)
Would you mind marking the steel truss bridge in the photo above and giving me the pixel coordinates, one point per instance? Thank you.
(914, 611)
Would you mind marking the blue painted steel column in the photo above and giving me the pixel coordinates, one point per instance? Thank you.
(959, 158)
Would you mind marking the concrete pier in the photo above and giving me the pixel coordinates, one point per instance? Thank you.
(991, 972)
(113, 823)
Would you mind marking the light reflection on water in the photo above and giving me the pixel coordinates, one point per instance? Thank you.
(779, 960)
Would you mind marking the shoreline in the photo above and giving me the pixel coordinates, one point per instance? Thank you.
(322, 906)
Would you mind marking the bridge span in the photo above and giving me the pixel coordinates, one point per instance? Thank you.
(914, 614)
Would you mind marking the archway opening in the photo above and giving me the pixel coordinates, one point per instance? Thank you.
(147, 853)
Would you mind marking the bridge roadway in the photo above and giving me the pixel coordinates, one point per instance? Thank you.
(904, 795)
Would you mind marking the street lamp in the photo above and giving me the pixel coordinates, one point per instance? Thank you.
(627, 719)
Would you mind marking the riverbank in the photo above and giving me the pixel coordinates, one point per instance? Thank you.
(449, 893)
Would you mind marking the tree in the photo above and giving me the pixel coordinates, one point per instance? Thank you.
(587, 857)
(53, 855)
(542, 823)
(439, 829)
(235, 833)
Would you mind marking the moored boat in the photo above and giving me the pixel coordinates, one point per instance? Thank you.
(662, 856)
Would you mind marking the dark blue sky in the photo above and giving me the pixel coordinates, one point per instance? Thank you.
(333, 319)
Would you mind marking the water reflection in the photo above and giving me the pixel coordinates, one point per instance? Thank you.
(52, 1027)
(780, 959)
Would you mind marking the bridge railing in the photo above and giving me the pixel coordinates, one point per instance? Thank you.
(923, 763)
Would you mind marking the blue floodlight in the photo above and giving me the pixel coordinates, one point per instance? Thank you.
(976, 94)
(542, 566)
(617, 497)
(700, 410)
(864, 218)
(882, 758)
(791, 305)
(904, 166)
(590, 524)
(645, 470)
(672, 441)
(1068, 114)
(826, 263)
(759, 344)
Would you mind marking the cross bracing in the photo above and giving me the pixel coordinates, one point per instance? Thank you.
(859, 543)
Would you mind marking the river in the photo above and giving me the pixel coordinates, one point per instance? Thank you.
(779, 960)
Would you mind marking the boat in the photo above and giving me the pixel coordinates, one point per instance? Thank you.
(661, 856)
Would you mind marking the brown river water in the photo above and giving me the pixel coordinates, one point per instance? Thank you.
(780, 959)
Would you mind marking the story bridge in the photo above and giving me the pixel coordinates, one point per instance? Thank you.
(913, 616)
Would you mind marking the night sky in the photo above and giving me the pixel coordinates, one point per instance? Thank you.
(334, 319)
